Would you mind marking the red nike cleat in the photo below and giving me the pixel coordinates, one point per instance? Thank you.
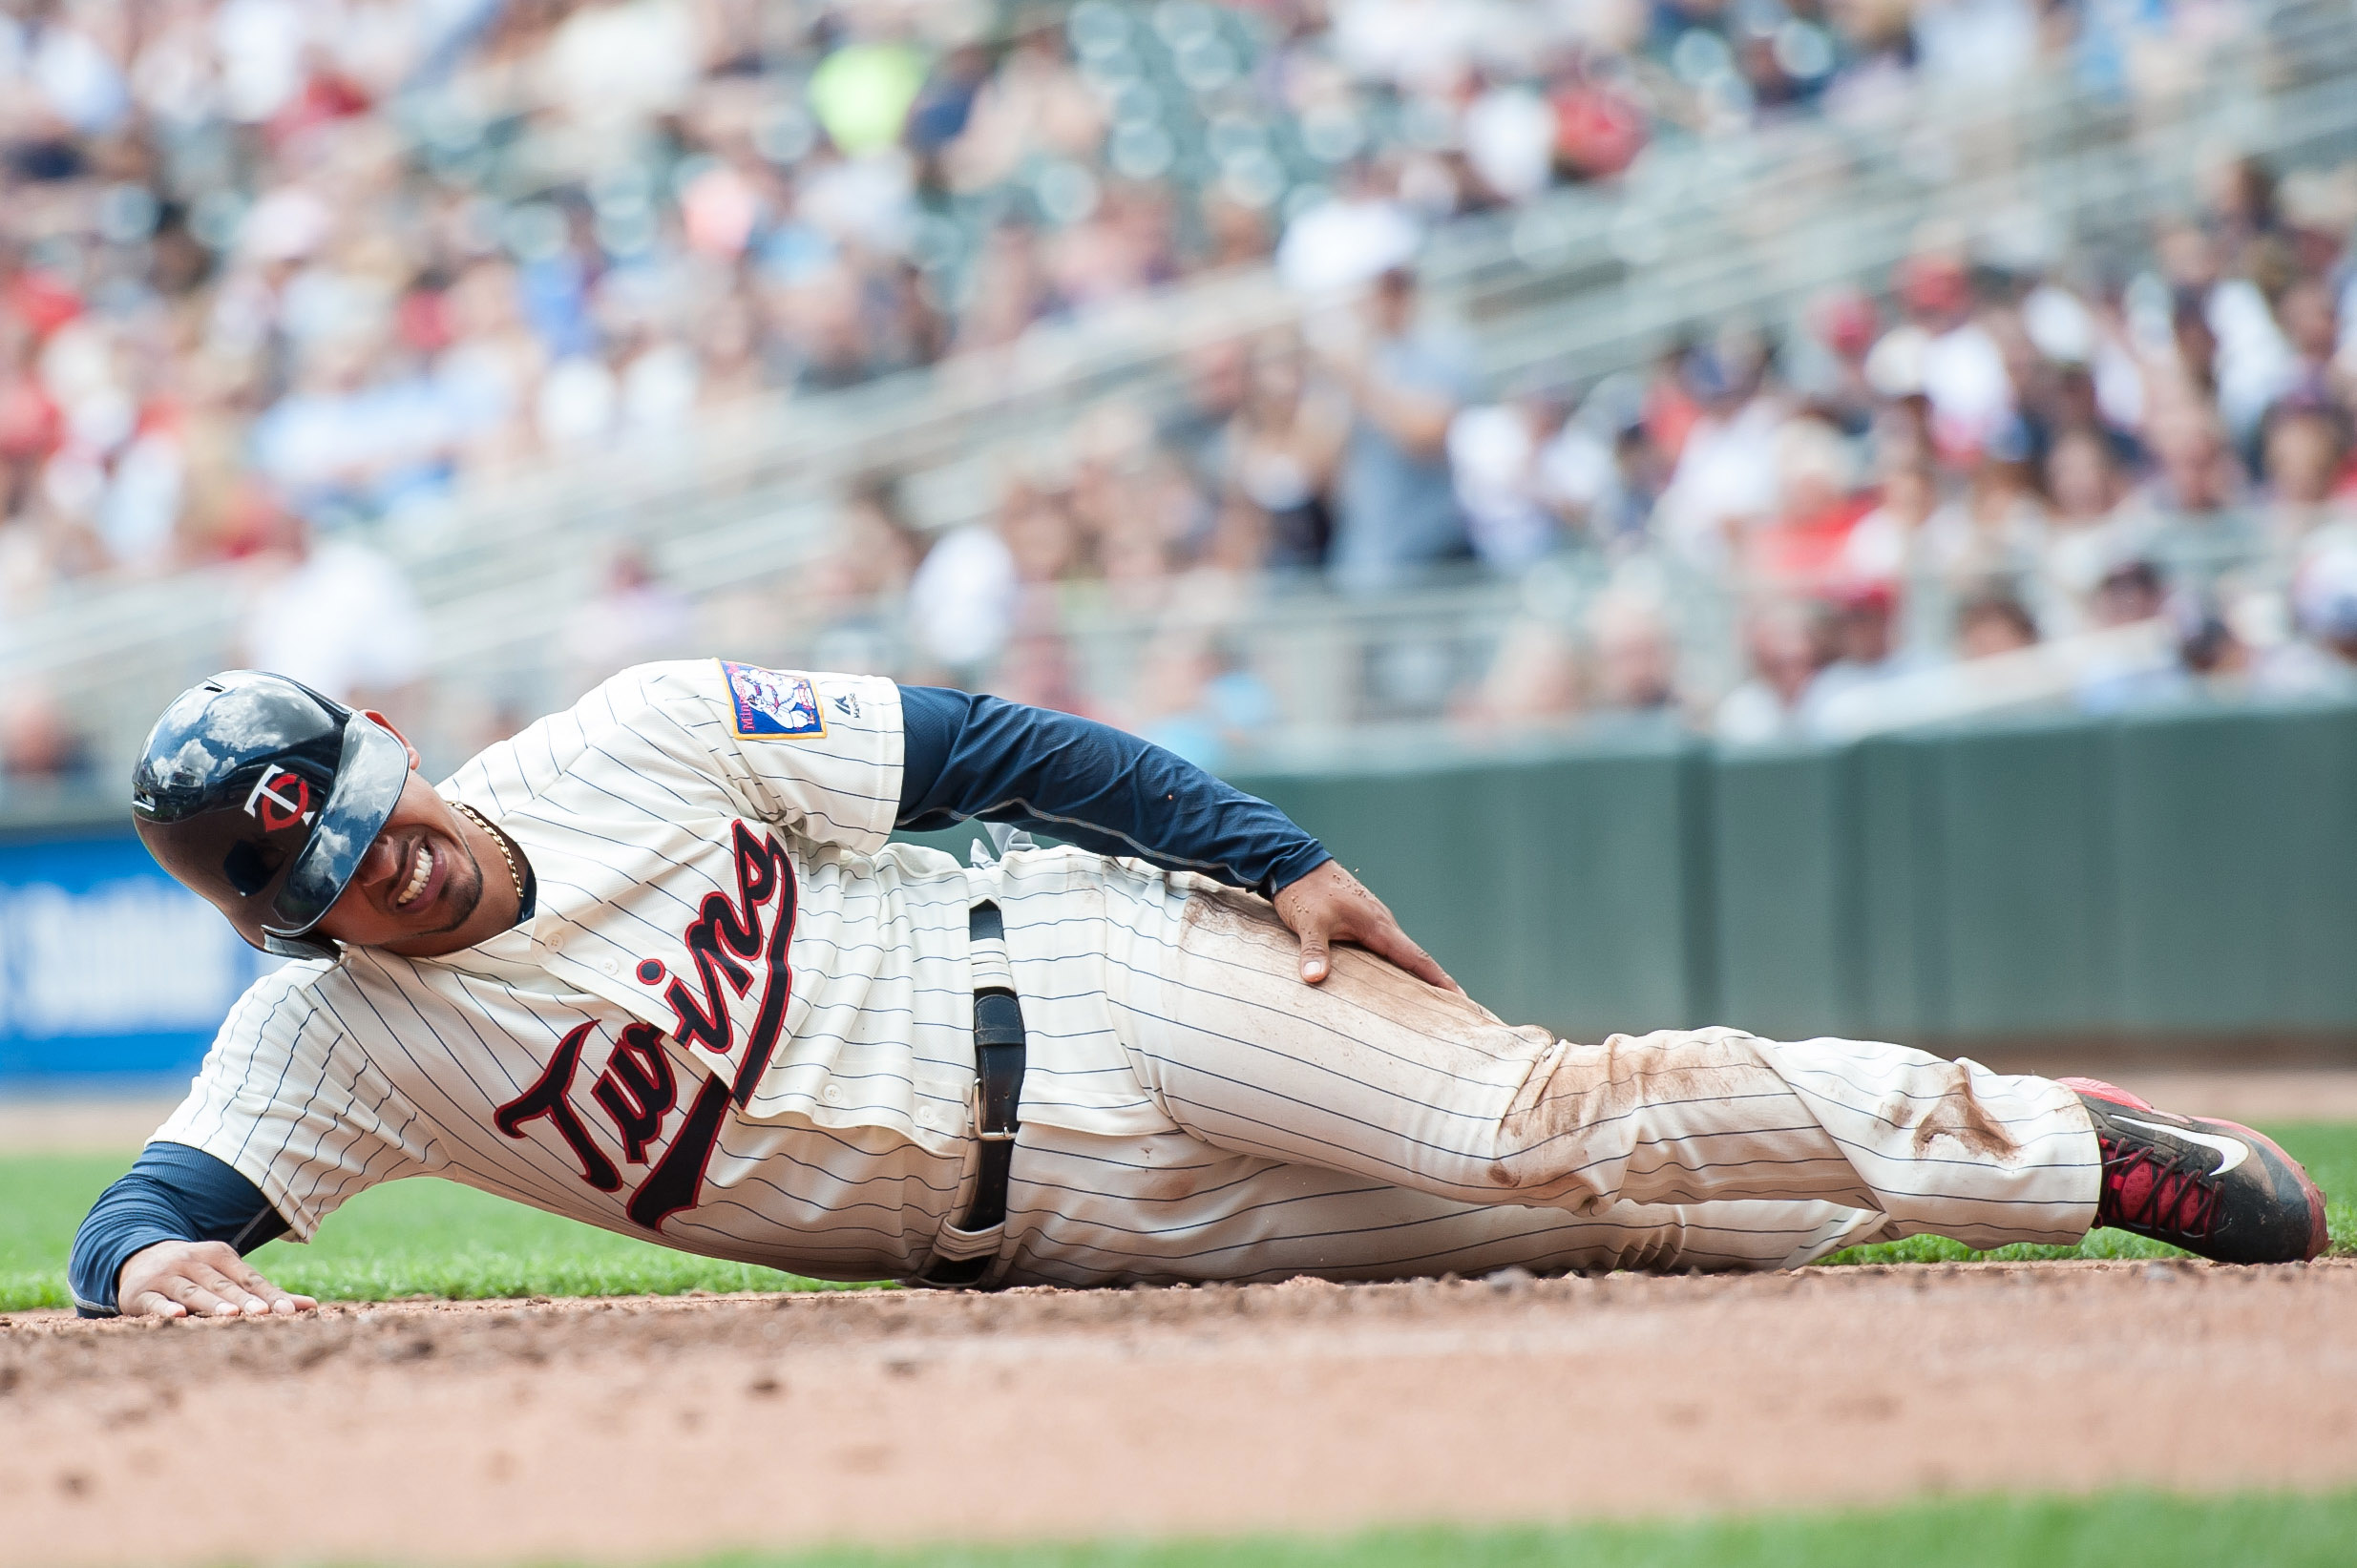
(2212, 1187)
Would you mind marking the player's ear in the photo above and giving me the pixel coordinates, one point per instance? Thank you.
(389, 727)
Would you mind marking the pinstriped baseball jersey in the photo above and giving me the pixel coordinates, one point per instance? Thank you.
(735, 1018)
(740, 1021)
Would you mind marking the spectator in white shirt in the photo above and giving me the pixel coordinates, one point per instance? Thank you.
(1787, 644)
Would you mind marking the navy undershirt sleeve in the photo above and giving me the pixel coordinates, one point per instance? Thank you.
(1090, 785)
(173, 1193)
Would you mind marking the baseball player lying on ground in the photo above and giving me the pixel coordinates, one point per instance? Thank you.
(653, 965)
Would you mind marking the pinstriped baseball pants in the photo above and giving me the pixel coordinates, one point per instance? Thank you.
(1373, 1127)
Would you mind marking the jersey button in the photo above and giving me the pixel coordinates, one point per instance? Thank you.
(832, 1094)
(610, 964)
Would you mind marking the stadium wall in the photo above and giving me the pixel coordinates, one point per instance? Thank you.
(2189, 876)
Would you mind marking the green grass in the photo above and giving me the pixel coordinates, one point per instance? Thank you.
(42, 1199)
(416, 1238)
(435, 1239)
(2116, 1530)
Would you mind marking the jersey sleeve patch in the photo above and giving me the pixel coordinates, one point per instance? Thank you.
(768, 704)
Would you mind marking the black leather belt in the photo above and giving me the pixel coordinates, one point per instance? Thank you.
(999, 1060)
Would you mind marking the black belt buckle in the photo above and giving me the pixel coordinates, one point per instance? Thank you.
(999, 1052)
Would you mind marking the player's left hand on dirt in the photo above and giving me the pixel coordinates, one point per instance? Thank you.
(200, 1280)
(1328, 905)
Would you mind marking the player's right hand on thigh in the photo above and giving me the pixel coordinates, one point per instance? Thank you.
(200, 1279)
(1328, 905)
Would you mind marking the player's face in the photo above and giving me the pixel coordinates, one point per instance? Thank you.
(419, 878)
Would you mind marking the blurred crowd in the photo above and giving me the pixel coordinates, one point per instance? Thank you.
(273, 273)
(352, 252)
(2107, 482)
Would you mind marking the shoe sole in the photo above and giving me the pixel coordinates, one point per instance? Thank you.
(2318, 1235)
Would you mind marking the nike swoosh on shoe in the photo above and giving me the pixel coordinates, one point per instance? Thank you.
(2235, 1150)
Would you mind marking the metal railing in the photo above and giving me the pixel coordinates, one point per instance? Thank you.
(1280, 670)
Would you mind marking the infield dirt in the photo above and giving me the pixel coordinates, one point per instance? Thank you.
(647, 1430)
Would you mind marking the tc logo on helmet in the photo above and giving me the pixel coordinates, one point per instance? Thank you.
(280, 799)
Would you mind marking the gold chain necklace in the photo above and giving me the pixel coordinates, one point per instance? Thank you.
(499, 841)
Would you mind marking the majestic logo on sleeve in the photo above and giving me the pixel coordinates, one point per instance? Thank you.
(280, 799)
(769, 705)
(735, 944)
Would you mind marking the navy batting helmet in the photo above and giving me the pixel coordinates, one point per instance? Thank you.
(262, 795)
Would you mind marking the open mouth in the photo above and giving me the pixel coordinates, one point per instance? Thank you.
(422, 863)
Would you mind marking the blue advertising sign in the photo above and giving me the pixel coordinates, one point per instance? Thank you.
(108, 966)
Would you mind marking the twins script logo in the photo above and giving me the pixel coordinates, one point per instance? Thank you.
(734, 944)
